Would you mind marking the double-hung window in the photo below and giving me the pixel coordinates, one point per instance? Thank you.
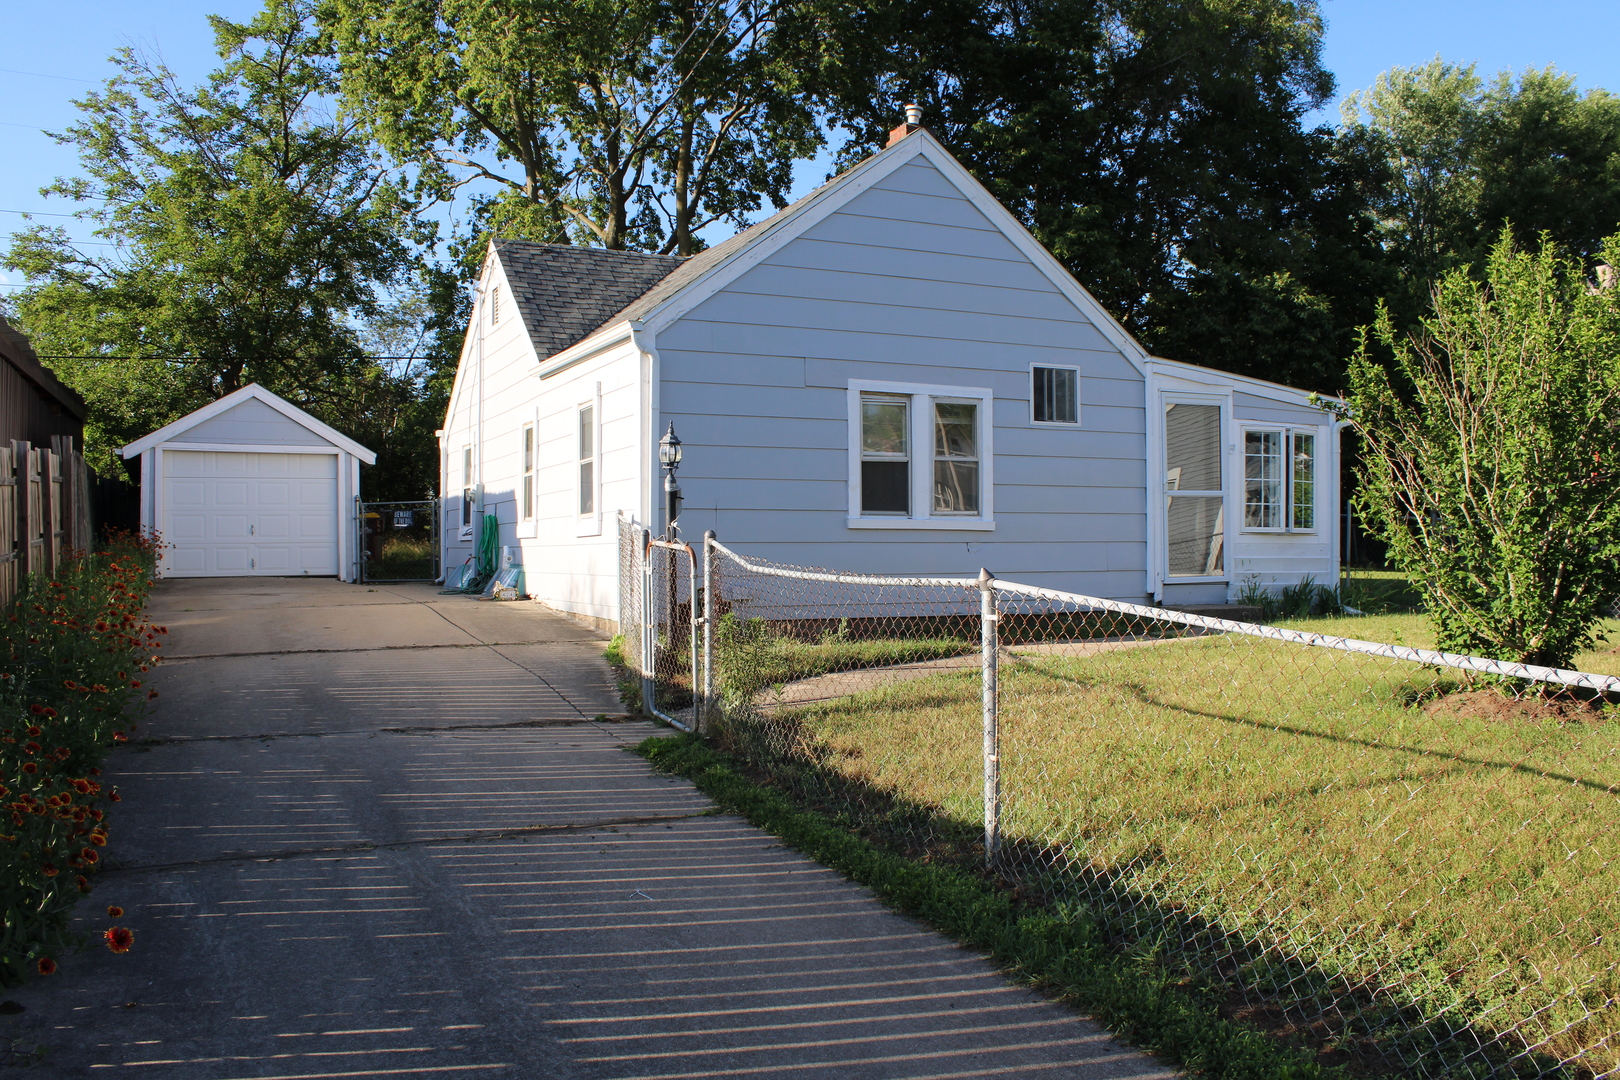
(1279, 479)
(527, 493)
(919, 456)
(468, 495)
(587, 460)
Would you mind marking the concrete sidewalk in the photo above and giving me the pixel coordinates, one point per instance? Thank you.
(388, 833)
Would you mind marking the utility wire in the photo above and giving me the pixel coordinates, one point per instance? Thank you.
(354, 356)
(43, 75)
(38, 213)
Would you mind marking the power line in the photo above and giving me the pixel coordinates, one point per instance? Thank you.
(37, 213)
(43, 75)
(199, 359)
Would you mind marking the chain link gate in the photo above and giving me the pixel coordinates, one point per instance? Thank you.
(660, 639)
(397, 541)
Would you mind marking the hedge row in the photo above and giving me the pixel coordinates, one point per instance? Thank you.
(74, 655)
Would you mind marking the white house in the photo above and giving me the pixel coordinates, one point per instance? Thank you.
(890, 376)
(251, 485)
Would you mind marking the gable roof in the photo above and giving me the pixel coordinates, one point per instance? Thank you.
(565, 292)
(684, 283)
(250, 392)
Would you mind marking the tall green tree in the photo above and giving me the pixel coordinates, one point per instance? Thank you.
(1159, 151)
(1491, 458)
(253, 236)
(1465, 157)
(619, 123)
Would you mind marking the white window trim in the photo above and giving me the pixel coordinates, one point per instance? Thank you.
(922, 439)
(1079, 398)
(1161, 556)
(469, 507)
(588, 524)
(1288, 431)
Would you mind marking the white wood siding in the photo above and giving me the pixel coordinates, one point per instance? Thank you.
(909, 282)
(568, 563)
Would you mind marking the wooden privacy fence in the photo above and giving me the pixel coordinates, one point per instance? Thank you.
(44, 510)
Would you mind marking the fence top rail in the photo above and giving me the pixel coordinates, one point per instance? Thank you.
(1606, 684)
(843, 579)
(668, 545)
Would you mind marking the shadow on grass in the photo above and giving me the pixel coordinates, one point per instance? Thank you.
(1369, 1023)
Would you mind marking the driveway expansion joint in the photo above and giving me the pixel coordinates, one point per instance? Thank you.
(361, 846)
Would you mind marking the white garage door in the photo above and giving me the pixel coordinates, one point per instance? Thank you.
(228, 514)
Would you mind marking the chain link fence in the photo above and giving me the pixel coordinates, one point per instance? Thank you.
(1402, 858)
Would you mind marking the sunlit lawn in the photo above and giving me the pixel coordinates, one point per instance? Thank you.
(1299, 796)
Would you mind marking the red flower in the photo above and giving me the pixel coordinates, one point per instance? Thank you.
(119, 736)
(114, 911)
(114, 797)
(120, 938)
(150, 694)
(101, 626)
(84, 884)
(98, 839)
(63, 753)
(30, 767)
(50, 870)
(32, 748)
(82, 786)
(36, 709)
(50, 712)
(46, 966)
(36, 731)
(89, 854)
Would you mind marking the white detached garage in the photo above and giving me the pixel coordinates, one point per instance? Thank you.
(251, 485)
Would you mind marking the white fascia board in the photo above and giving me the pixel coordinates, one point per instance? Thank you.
(601, 341)
(230, 401)
(1274, 390)
(842, 190)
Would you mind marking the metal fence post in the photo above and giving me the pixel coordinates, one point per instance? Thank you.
(989, 645)
(649, 634)
(708, 629)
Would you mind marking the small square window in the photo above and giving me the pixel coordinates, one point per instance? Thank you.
(1054, 395)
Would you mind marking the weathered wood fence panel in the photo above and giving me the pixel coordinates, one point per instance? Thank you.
(44, 510)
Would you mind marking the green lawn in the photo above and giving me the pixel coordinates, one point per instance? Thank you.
(1286, 817)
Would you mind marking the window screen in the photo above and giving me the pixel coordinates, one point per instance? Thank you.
(587, 460)
(1195, 516)
(956, 457)
(528, 472)
(1055, 395)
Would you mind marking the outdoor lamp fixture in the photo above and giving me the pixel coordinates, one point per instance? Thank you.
(669, 456)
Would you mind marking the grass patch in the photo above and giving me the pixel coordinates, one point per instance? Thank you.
(1061, 950)
(404, 558)
(1288, 824)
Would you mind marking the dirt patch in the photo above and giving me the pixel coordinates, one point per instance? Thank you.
(1495, 705)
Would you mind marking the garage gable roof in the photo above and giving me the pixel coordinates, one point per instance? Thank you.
(250, 392)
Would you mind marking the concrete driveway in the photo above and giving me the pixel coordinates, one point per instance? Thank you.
(378, 832)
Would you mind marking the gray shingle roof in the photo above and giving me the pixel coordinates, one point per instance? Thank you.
(565, 292)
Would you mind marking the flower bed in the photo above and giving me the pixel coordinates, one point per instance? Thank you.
(74, 653)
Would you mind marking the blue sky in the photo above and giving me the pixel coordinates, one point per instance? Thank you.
(47, 59)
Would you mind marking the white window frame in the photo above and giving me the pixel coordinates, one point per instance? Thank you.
(528, 527)
(1078, 397)
(588, 524)
(922, 516)
(469, 495)
(1245, 427)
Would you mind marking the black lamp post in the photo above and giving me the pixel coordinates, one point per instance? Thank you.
(669, 456)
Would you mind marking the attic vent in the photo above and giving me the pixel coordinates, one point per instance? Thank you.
(494, 305)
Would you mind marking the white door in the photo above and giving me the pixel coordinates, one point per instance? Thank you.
(228, 514)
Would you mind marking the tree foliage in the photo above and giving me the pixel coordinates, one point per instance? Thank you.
(1464, 157)
(1159, 151)
(1495, 477)
(620, 123)
(252, 236)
